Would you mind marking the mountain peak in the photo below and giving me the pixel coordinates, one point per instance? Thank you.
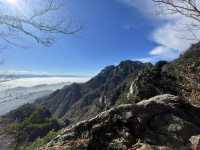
(129, 62)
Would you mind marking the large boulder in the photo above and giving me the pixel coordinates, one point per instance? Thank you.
(165, 121)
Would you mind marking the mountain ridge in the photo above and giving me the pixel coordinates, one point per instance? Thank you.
(128, 82)
(101, 91)
(131, 83)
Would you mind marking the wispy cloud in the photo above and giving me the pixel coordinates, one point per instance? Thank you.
(172, 37)
(175, 34)
(144, 6)
(153, 59)
(145, 59)
(163, 51)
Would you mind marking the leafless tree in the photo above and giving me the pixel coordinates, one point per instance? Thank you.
(40, 20)
(186, 8)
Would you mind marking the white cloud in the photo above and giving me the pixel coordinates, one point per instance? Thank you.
(153, 59)
(173, 37)
(175, 34)
(163, 51)
(145, 59)
(30, 82)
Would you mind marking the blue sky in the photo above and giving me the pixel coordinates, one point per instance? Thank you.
(113, 30)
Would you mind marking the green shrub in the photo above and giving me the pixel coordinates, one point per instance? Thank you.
(34, 127)
(41, 141)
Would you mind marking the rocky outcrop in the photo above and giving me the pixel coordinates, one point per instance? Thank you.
(141, 122)
(128, 82)
(186, 70)
(151, 82)
(81, 101)
(164, 121)
(179, 77)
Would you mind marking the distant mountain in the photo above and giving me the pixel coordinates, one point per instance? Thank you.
(163, 120)
(80, 101)
(128, 82)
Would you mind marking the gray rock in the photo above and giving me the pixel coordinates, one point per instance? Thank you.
(162, 120)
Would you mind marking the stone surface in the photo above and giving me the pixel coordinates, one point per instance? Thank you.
(163, 120)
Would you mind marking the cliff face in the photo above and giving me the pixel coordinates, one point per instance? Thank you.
(129, 82)
(180, 77)
(151, 82)
(163, 120)
(187, 72)
(160, 122)
(81, 101)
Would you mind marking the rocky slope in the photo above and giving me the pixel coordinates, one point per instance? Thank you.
(166, 120)
(80, 101)
(179, 77)
(187, 72)
(129, 82)
(162, 121)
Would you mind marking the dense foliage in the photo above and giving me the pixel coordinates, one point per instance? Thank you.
(41, 141)
(36, 125)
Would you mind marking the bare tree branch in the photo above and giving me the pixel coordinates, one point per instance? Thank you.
(186, 8)
(41, 24)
